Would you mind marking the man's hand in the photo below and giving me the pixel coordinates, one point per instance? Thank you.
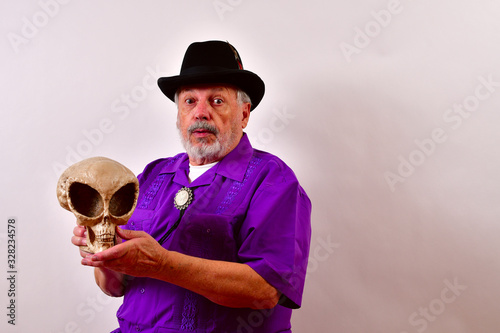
(140, 255)
(80, 239)
(112, 283)
(226, 283)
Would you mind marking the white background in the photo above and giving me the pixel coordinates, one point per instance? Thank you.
(363, 101)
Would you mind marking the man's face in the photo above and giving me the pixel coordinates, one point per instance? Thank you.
(210, 121)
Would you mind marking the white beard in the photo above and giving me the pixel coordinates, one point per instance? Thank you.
(208, 152)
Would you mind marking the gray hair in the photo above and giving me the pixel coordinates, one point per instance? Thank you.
(242, 97)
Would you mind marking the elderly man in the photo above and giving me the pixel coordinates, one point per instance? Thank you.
(220, 237)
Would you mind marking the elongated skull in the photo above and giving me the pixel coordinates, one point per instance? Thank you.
(101, 193)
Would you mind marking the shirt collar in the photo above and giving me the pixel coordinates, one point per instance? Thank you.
(180, 161)
(232, 166)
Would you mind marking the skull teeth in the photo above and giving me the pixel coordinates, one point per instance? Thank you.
(105, 238)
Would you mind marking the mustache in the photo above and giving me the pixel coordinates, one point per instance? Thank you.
(203, 125)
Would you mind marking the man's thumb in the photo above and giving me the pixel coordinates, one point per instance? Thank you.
(127, 234)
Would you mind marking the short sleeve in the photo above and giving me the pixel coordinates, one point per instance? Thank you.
(276, 233)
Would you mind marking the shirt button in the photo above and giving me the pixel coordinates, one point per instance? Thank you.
(142, 291)
(208, 231)
(137, 329)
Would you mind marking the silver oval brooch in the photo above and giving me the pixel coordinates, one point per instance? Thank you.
(183, 198)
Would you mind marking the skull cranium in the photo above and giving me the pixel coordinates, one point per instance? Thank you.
(101, 193)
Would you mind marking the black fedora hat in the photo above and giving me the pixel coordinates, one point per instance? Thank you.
(214, 62)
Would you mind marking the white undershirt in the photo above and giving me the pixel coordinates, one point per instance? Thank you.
(196, 171)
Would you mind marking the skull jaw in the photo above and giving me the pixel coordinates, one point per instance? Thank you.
(99, 243)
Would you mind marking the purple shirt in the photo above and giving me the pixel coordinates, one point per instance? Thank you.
(249, 208)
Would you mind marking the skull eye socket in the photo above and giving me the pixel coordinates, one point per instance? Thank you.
(85, 200)
(123, 200)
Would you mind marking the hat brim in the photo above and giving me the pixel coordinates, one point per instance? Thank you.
(247, 81)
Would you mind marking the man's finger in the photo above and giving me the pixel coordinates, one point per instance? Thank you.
(129, 234)
(114, 252)
(79, 231)
(88, 261)
(83, 253)
(78, 241)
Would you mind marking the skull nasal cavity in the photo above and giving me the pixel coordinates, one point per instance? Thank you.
(85, 199)
(123, 200)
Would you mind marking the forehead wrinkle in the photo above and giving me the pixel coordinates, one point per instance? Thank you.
(212, 89)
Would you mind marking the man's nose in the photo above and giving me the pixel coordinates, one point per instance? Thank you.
(202, 111)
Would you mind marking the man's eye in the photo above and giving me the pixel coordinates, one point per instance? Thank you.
(189, 100)
(218, 101)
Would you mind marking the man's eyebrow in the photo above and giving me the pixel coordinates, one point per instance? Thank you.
(215, 89)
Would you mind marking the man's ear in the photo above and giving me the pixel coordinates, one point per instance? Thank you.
(245, 114)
